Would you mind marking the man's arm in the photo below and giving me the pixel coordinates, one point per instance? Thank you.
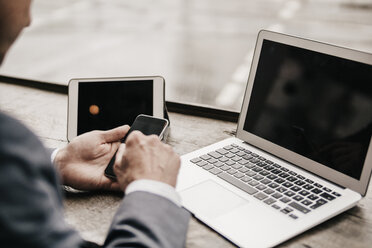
(31, 205)
(148, 220)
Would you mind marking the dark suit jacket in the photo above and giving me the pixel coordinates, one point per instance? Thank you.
(31, 213)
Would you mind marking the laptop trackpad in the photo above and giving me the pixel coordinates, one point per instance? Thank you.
(210, 199)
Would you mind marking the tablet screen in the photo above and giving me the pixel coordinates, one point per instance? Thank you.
(106, 105)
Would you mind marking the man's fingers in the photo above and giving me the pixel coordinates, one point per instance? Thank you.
(115, 134)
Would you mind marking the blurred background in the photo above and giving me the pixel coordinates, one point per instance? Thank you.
(203, 48)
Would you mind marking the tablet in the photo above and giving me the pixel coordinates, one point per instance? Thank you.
(106, 103)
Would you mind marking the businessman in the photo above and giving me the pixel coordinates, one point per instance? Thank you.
(31, 213)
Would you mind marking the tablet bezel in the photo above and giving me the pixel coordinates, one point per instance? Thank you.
(73, 94)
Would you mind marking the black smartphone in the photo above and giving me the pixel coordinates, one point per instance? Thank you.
(148, 125)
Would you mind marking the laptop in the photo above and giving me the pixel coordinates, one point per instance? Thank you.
(302, 152)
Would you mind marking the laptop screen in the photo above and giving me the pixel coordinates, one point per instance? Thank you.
(313, 104)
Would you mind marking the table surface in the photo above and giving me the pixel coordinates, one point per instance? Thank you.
(91, 212)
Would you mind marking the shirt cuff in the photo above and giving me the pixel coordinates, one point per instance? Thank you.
(155, 187)
(53, 155)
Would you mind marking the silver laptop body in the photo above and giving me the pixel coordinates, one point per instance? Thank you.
(302, 153)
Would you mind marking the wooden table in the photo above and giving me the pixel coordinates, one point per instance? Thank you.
(91, 212)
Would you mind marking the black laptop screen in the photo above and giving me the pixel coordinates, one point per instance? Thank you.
(316, 105)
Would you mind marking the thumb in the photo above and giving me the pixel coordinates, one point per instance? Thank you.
(115, 134)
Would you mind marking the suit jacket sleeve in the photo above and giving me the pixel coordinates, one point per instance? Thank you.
(148, 220)
(31, 212)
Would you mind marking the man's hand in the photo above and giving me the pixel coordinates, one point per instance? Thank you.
(146, 157)
(82, 162)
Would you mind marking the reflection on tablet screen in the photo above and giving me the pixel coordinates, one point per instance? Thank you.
(106, 105)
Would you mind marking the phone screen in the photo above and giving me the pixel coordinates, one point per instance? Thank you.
(148, 125)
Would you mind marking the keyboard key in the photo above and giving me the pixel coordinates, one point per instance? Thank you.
(208, 167)
(306, 202)
(238, 175)
(286, 210)
(313, 197)
(297, 198)
(243, 170)
(292, 173)
(205, 157)
(231, 171)
(281, 189)
(284, 169)
(304, 192)
(243, 162)
(295, 188)
(261, 187)
(236, 166)
(261, 164)
(212, 161)
(253, 183)
(246, 179)
(276, 171)
(247, 157)
(229, 163)
(240, 148)
(241, 154)
(318, 185)
(287, 184)
(292, 179)
(264, 173)
(247, 151)
(327, 196)
(289, 193)
(234, 150)
(258, 177)
(250, 166)
(228, 147)
(215, 171)
(285, 200)
(229, 155)
(300, 177)
(251, 173)
(275, 206)
(237, 183)
(195, 160)
(269, 167)
(254, 155)
(276, 165)
(276, 195)
(308, 187)
(279, 180)
(283, 175)
(201, 163)
(273, 185)
(293, 216)
(318, 203)
(254, 160)
(269, 162)
(270, 201)
(316, 191)
(234, 145)
(224, 159)
(265, 181)
(260, 196)
(309, 181)
(298, 207)
(218, 164)
(236, 158)
(225, 168)
(336, 194)
(271, 177)
(222, 151)
(269, 191)
(257, 169)
(215, 155)
(299, 183)
(327, 189)
(261, 158)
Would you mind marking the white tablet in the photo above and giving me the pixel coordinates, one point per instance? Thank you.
(105, 103)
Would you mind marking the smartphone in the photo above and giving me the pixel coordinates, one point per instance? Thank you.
(146, 124)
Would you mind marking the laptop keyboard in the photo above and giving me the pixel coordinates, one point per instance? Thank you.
(266, 180)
